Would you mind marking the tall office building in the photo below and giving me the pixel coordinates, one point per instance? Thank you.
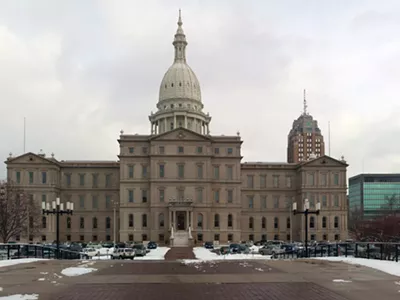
(374, 195)
(305, 139)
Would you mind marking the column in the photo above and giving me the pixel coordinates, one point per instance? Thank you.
(174, 220)
(191, 219)
(187, 219)
(185, 121)
(170, 219)
(174, 121)
(208, 129)
(165, 125)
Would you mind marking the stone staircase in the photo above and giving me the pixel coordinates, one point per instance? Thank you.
(181, 238)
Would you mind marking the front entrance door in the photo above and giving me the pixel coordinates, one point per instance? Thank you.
(180, 216)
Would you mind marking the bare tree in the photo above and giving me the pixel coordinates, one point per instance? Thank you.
(19, 214)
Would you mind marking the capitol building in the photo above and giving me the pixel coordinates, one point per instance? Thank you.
(180, 185)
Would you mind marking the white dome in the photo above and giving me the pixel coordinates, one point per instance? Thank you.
(180, 82)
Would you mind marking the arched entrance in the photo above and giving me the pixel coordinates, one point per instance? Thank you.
(181, 220)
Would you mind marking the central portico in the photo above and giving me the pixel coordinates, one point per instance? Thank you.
(181, 220)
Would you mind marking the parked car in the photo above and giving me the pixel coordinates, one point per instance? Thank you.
(140, 250)
(270, 249)
(90, 252)
(123, 253)
(152, 245)
(209, 245)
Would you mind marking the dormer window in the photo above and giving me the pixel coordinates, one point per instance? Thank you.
(172, 106)
(172, 85)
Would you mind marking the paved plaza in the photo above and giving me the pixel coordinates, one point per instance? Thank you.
(253, 279)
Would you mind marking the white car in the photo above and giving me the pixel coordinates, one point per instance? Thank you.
(90, 252)
(123, 253)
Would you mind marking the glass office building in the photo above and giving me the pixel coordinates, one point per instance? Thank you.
(374, 195)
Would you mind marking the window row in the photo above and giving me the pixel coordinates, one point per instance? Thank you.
(94, 223)
(94, 179)
(89, 202)
(322, 179)
(276, 201)
(179, 150)
(276, 181)
(33, 177)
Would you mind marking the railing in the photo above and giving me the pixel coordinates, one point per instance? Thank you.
(17, 251)
(381, 251)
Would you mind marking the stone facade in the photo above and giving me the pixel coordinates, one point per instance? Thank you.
(180, 178)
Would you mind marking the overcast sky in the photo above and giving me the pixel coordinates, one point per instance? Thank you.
(80, 71)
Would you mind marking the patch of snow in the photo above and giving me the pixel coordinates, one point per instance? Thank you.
(41, 279)
(341, 280)
(202, 253)
(259, 269)
(13, 262)
(21, 297)
(59, 276)
(154, 254)
(77, 271)
(44, 273)
(389, 267)
(397, 282)
(1, 289)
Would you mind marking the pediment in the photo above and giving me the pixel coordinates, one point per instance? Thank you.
(180, 134)
(324, 161)
(31, 159)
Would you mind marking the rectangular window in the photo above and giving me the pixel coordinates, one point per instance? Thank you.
(324, 201)
(200, 171)
(81, 201)
(199, 195)
(323, 179)
(289, 181)
(230, 151)
(131, 150)
(130, 171)
(181, 171)
(81, 179)
(108, 201)
(68, 179)
(275, 180)
(216, 172)
(44, 198)
(108, 180)
(130, 196)
(144, 150)
(264, 202)
(250, 181)
(161, 150)
(336, 200)
(94, 202)
(30, 177)
(144, 171)
(263, 181)
(162, 195)
(276, 201)
(216, 196)
(18, 177)
(216, 150)
(250, 201)
(95, 178)
(161, 171)
(44, 177)
(310, 179)
(180, 149)
(230, 196)
(181, 194)
(229, 172)
(336, 179)
(144, 196)
(199, 150)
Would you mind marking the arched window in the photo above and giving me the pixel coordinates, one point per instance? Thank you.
(251, 223)
(336, 222)
(199, 221)
(230, 220)
(161, 220)
(312, 222)
(130, 220)
(144, 220)
(216, 220)
(263, 223)
(94, 222)
(108, 222)
(323, 222)
(276, 223)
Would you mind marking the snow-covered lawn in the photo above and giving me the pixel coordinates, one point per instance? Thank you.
(204, 254)
(154, 254)
(390, 267)
(12, 262)
(21, 297)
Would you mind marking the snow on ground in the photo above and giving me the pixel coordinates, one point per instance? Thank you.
(204, 254)
(21, 297)
(77, 271)
(12, 262)
(390, 267)
(154, 254)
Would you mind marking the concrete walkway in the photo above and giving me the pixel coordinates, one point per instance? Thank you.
(177, 253)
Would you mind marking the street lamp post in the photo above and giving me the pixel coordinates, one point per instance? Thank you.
(306, 212)
(115, 203)
(57, 209)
